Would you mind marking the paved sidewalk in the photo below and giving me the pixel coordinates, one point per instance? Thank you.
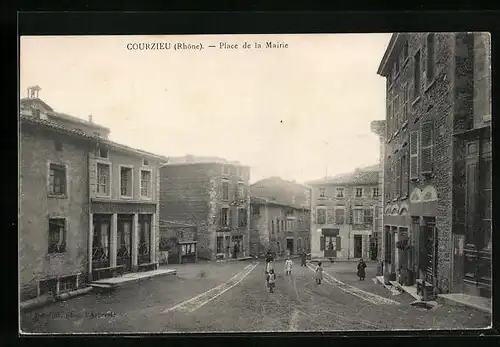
(131, 277)
(479, 303)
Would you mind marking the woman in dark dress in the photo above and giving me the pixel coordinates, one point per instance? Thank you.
(361, 270)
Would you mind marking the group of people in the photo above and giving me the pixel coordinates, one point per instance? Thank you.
(318, 274)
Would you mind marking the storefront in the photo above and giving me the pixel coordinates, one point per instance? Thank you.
(122, 238)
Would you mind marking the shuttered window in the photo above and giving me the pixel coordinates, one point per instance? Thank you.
(426, 149)
(404, 176)
(414, 144)
(431, 42)
(398, 177)
(321, 216)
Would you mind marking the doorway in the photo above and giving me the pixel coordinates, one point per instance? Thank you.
(289, 246)
(358, 246)
(101, 241)
(124, 241)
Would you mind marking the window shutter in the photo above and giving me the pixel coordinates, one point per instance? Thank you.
(404, 179)
(427, 146)
(414, 155)
(322, 243)
(231, 218)
(338, 243)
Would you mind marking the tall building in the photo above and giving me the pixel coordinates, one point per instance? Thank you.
(378, 128)
(88, 205)
(280, 216)
(211, 194)
(343, 213)
(437, 165)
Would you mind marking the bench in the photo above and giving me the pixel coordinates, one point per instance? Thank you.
(148, 266)
(106, 272)
(424, 288)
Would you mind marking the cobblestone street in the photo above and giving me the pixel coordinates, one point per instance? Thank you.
(233, 297)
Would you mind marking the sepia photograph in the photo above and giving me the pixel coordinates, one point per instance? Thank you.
(255, 183)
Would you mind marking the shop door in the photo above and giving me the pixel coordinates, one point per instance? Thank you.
(124, 241)
(358, 246)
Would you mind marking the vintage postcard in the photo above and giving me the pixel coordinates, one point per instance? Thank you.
(252, 183)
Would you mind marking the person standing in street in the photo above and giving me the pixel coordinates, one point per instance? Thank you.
(288, 266)
(319, 273)
(303, 257)
(361, 270)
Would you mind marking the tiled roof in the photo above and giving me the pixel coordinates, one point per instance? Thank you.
(81, 134)
(282, 192)
(263, 200)
(366, 175)
(194, 159)
(52, 113)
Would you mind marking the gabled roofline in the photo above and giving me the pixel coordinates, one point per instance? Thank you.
(80, 134)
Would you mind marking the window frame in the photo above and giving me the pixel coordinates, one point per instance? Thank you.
(131, 168)
(110, 167)
(322, 192)
(356, 192)
(61, 167)
(341, 189)
(226, 215)
(150, 185)
(339, 208)
(377, 189)
(430, 58)
(417, 87)
(362, 213)
(64, 233)
(430, 147)
(323, 208)
(224, 196)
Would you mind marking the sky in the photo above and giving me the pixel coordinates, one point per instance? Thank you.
(298, 113)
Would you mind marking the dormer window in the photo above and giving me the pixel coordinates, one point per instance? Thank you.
(102, 152)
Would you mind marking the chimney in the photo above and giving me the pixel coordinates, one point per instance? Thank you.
(33, 92)
(90, 118)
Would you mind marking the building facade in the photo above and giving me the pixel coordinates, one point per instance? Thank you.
(343, 214)
(437, 124)
(284, 229)
(378, 128)
(124, 207)
(87, 203)
(212, 194)
(54, 205)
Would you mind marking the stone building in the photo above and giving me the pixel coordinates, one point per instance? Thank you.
(378, 128)
(87, 203)
(285, 229)
(343, 214)
(212, 194)
(54, 208)
(437, 137)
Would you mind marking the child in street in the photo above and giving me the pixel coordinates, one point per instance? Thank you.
(319, 273)
(288, 266)
(271, 280)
